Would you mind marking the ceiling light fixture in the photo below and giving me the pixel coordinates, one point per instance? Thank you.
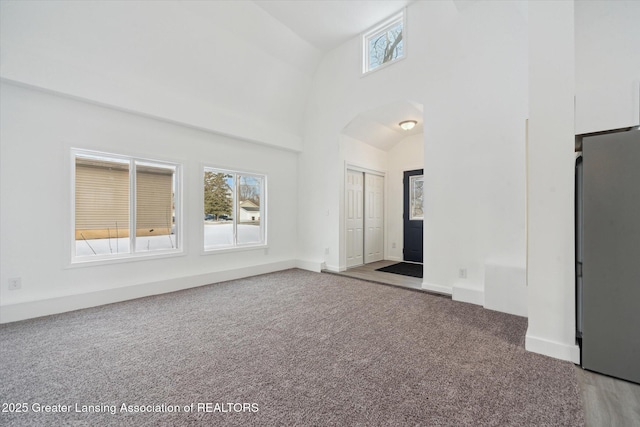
(408, 124)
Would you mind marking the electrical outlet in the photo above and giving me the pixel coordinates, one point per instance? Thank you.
(462, 273)
(15, 283)
(326, 251)
(393, 245)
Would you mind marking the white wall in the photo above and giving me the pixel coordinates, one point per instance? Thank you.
(216, 74)
(224, 66)
(469, 70)
(358, 153)
(550, 262)
(607, 58)
(408, 154)
(37, 131)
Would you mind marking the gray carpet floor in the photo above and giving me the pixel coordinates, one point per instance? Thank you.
(302, 348)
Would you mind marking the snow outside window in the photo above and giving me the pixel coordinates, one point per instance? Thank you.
(123, 207)
(234, 209)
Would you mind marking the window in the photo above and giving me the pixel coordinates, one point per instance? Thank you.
(384, 44)
(416, 197)
(234, 209)
(123, 207)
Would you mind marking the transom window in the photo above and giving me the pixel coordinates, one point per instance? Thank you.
(384, 44)
(234, 209)
(123, 207)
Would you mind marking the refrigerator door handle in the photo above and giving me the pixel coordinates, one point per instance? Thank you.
(578, 269)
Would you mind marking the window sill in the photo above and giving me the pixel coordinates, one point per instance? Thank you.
(383, 66)
(231, 249)
(141, 256)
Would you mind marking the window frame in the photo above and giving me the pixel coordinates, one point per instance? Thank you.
(235, 247)
(382, 27)
(132, 255)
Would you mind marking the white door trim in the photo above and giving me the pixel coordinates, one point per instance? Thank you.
(364, 170)
(354, 218)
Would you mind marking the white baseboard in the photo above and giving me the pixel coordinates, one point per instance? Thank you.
(393, 258)
(334, 268)
(315, 266)
(45, 307)
(472, 293)
(436, 288)
(553, 349)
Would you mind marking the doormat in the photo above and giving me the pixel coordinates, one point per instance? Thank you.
(404, 268)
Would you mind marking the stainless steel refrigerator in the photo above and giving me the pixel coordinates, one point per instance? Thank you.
(608, 254)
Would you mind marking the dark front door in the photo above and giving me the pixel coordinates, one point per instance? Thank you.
(413, 215)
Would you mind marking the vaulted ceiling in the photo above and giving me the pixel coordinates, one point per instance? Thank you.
(380, 127)
(328, 23)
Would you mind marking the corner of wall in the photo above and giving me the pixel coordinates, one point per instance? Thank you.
(432, 287)
(472, 293)
(315, 266)
(553, 349)
(505, 288)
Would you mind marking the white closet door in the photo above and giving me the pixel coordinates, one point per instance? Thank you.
(355, 218)
(374, 218)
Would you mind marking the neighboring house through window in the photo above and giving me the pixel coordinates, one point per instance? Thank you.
(123, 207)
(384, 44)
(234, 209)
